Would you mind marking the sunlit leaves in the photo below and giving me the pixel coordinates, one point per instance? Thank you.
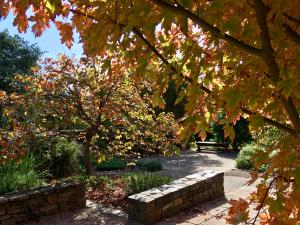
(238, 212)
(238, 78)
(66, 33)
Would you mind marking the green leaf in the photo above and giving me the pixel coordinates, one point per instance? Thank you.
(233, 97)
(52, 5)
(217, 4)
(256, 122)
(232, 25)
(296, 174)
(186, 3)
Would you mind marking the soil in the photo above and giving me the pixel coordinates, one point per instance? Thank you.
(109, 195)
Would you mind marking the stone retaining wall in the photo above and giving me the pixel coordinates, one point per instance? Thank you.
(158, 203)
(20, 207)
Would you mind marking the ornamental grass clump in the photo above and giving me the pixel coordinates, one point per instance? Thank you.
(140, 182)
(19, 175)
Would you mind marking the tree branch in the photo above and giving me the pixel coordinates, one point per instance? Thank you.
(206, 90)
(291, 18)
(261, 15)
(271, 122)
(293, 35)
(174, 70)
(209, 27)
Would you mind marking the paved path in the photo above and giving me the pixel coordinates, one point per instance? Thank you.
(210, 213)
(190, 162)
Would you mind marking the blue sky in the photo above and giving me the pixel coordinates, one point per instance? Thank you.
(49, 42)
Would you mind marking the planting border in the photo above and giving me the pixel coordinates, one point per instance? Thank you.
(158, 203)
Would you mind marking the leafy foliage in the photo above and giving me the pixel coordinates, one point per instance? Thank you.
(245, 157)
(92, 181)
(149, 165)
(140, 182)
(16, 57)
(112, 164)
(93, 101)
(241, 130)
(264, 142)
(19, 175)
(56, 155)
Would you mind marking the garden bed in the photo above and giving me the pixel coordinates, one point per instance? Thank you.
(113, 191)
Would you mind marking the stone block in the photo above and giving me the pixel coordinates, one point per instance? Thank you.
(9, 222)
(20, 197)
(17, 210)
(4, 217)
(3, 200)
(153, 216)
(50, 209)
(178, 201)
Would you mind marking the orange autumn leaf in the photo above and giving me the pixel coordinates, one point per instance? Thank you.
(238, 212)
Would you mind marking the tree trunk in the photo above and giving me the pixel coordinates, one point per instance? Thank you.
(87, 154)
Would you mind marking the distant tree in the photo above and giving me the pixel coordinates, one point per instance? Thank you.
(17, 56)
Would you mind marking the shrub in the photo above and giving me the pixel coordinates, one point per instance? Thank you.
(19, 175)
(140, 182)
(113, 164)
(93, 181)
(57, 155)
(244, 159)
(149, 165)
(241, 129)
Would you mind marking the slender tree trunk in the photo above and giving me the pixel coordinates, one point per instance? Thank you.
(87, 153)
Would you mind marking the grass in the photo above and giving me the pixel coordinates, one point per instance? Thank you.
(139, 182)
(19, 175)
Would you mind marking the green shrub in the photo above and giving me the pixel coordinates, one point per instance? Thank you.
(19, 175)
(149, 165)
(113, 164)
(92, 181)
(57, 155)
(245, 158)
(140, 182)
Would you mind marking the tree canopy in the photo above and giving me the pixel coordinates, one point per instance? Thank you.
(236, 56)
(16, 57)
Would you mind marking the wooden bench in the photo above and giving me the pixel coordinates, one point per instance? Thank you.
(218, 145)
(168, 200)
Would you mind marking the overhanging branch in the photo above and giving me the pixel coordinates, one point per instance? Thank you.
(174, 70)
(206, 90)
(209, 27)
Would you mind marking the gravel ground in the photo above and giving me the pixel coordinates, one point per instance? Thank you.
(86, 216)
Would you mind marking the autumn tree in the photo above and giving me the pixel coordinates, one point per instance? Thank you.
(240, 57)
(89, 100)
